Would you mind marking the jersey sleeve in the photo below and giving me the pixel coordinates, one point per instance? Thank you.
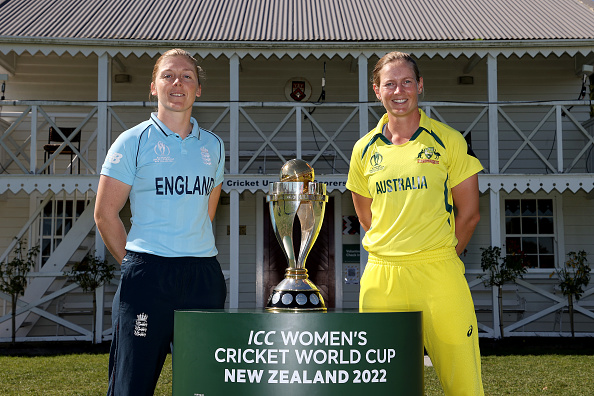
(464, 162)
(120, 162)
(356, 180)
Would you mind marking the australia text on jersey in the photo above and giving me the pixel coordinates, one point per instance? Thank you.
(401, 184)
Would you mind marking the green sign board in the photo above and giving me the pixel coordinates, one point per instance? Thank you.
(258, 353)
(351, 253)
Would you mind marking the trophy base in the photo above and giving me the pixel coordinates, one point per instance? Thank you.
(295, 301)
(295, 295)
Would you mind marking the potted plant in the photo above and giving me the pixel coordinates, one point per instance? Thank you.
(573, 278)
(91, 273)
(13, 276)
(501, 270)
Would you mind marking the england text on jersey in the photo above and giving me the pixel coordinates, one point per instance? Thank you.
(180, 185)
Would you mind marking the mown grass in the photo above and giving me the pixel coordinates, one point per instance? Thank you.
(73, 374)
(529, 375)
(508, 374)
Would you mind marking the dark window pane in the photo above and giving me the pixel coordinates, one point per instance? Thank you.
(546, 245)
(80, 207)
(529, 245)
(529, 225)
(531, 261)
(67, 225)
(45, 247)
(59, 227)
(512, 207)
(47, 227)
(59, 209)
(545, 225)
(69, 209)
(512, 245)
(47, 210)
(545, 207)
(547, 261)
(57, 242)
(512, 225)
(529, 207)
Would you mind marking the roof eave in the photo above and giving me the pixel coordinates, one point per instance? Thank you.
(456, 48)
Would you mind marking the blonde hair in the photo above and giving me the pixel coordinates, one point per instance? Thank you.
(179, 52)
(394, 57)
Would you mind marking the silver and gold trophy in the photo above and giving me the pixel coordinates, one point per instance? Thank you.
(296, 194)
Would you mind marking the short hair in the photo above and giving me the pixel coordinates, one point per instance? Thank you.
(179, 52)
(394, 57)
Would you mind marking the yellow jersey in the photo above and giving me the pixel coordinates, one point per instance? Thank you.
(410, 185)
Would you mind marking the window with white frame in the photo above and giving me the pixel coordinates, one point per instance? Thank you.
(57, 218)
(530, 228)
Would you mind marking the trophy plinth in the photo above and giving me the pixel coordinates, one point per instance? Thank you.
(296, 195)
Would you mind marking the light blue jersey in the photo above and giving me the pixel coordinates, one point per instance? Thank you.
(171, 182)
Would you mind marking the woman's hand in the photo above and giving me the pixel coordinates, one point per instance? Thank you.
(112, 195)
(363, 209)
(466, 201)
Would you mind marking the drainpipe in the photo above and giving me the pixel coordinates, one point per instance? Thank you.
(494, 191)
(363, 129)
(103, 141)
(234, 193)
(591, 95)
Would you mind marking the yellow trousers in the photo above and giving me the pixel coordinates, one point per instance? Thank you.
(432, 282)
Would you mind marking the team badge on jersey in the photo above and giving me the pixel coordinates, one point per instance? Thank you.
(141, 325)
(428, 154)
(205, 156)
(375, 162)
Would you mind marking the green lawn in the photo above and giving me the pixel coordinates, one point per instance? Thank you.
(529, 375)
(86, 374)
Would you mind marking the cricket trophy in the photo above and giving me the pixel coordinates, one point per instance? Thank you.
(296, 194)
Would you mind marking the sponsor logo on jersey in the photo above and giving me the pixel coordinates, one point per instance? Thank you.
(162, 151)
(428, 154)
(183, 185)
(401, 184)
(114, 158)
(375, 162)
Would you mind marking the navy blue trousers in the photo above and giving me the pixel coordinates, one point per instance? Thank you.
(151, 289)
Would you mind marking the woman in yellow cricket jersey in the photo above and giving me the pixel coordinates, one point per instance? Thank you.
(406, 177)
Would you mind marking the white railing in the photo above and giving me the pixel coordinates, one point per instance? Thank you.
(47, 284)
(536, 302)
(59, 315)
(531, 137)
(57, 327)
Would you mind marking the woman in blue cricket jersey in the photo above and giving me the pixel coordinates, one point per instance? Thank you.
(171, 170)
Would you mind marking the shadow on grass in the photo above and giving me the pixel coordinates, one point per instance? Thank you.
(53, 348)
(537, 346)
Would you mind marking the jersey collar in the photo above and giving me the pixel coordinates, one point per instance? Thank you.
(424, 125)
(378, 132)
(195, 133)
